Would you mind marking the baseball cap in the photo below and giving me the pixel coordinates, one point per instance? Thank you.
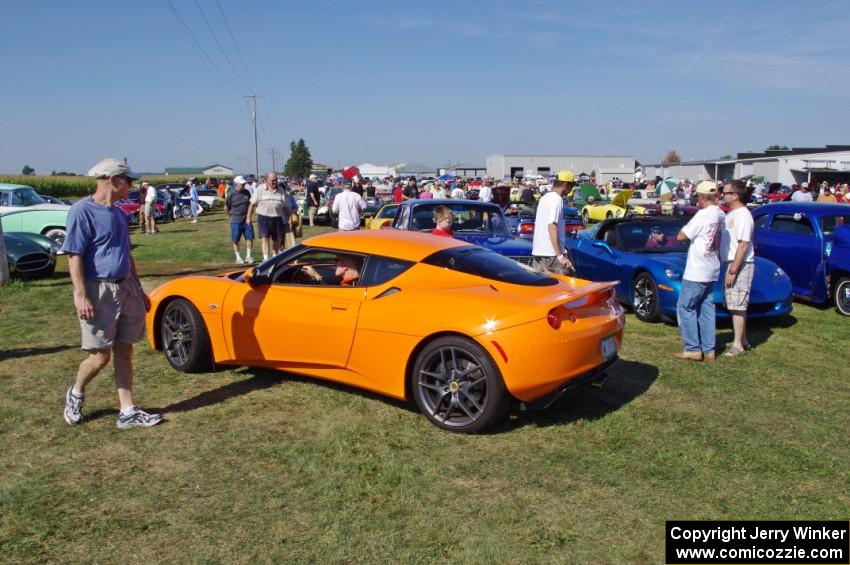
(111, 167)
(707, 187)
(566, 176)
(804, 185)
(313, 177)
(239, 180)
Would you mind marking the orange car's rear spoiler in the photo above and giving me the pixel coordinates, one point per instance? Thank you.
(603, 289)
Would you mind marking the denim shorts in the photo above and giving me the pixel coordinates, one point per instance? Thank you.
(240, 229)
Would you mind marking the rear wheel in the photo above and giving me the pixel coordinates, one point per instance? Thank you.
(585, 217)
(645, 298)
(56, 234)
(184, 337)
(457, 386)
(842, 296)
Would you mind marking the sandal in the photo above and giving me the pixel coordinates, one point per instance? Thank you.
(733, 352)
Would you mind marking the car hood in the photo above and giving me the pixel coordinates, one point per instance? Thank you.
(17, 245)
(499, 244)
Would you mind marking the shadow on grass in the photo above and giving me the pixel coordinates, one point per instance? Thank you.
(626, 381)
(7, 354)
(759, 330)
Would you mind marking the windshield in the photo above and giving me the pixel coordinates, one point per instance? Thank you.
(465, 218)
(26, 196)
(646, 237)
(388, 212)
(829, 223)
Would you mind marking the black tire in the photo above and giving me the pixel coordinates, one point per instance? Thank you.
(457, 386)
(585, 217)
(645, 298)
(608, 215)
(56, 234)
(184, 337)
(841, 295)
(185, 210)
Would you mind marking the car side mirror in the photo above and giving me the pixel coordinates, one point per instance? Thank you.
(603, 245)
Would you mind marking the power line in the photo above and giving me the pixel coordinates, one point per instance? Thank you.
(235, 44)
(220, 47)
(201, 50)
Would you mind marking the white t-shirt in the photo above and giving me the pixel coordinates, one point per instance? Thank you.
(486, 194)
(550, 210)
(704, 231)
(739, 227)
(150, 195)
(348, 205)
(801, 196)
(457, 194)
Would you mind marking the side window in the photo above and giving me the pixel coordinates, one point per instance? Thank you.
(17, 198)
(4, 198)
(403, 218)
(795, 225)
(383, 269)
(320, 267)
(761, 222)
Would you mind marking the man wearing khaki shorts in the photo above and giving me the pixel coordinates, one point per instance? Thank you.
(736, 251)
(108, 296)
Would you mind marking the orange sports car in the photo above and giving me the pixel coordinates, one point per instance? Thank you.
(462, 331)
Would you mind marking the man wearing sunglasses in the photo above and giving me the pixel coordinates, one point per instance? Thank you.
(736, 253)
(108, 296)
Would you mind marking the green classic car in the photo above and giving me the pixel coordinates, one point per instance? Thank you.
(23, 210)
(30, 255)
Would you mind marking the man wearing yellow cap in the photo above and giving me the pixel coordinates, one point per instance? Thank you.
(550, 254)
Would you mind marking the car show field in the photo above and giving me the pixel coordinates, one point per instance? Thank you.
(262, 465)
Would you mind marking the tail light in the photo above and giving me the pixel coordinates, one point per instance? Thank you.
(526, 228)
(554, 318)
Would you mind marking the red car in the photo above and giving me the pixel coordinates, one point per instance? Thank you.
(777, 192)
(131, 205)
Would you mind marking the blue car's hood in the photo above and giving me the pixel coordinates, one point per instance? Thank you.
(499, 244)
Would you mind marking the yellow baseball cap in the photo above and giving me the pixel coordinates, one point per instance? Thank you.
(707, 187)
(566, 176)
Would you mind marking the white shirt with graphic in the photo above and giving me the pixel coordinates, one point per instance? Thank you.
(704, 231)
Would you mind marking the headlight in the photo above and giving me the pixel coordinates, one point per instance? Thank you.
(672, 275)
(779, 275)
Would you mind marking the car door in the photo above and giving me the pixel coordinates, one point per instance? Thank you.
(597, 263)
(285, 319)
(790, 241)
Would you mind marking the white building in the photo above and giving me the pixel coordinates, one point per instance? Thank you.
(603, 167)
(787, 166)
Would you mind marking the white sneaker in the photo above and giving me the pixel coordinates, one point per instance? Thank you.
(249, 259)
(239, 259)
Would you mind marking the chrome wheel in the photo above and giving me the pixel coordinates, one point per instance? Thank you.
(176, 336)
(184, 338)
(645, 298)
(842, 296)
(453, 386)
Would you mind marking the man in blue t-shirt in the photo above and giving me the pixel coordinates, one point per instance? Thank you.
(108, 296)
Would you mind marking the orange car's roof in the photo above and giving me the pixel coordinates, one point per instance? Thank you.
(409, 245)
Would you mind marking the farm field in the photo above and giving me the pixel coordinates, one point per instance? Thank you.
(255, 465)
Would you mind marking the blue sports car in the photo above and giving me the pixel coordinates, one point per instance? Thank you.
(643, 254)
(801, 238)
(478, 223)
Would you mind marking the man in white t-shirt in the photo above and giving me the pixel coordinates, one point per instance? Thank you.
(695, 308)
(486, 193)
(550, 255)
(802, 195)
(348, 205)
(736, 252)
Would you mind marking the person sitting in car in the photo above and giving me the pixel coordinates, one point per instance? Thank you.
(346, 273)
(658, 239)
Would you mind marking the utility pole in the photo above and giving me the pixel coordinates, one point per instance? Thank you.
(253, 98)
(275, 153)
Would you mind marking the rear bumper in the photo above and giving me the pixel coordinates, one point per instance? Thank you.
(597, 375)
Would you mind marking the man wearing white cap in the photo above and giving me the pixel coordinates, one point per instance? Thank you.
(108, 296)
(695, 310)
(802, 195)
(237, 205)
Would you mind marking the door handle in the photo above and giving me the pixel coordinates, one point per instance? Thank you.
(339, 306)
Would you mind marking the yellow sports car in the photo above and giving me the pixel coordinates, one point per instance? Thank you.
(617, 207)
(384, 217)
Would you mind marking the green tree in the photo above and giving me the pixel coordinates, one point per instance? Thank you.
(27, 170)
(300, 161)
(777, 148)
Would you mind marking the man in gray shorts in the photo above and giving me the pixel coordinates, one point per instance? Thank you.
(108, 296)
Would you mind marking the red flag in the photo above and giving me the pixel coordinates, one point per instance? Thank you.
(350, 172)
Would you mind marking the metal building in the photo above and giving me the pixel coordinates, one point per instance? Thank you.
(603, 167)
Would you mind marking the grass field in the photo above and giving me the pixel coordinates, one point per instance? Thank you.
(253, 465)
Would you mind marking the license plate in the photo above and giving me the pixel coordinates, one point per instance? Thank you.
(609, 348)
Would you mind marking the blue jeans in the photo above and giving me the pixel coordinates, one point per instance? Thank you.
(695, 314)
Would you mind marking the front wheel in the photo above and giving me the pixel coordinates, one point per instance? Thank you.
(457, 386)
(842, 296)
(645, 298)
(57, 235)
(184, 337)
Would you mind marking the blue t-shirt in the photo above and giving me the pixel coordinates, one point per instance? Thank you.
(101, 236)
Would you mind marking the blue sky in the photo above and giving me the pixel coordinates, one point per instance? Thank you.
(435, 81)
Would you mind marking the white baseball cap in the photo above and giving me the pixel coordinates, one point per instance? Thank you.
(111, 167)
(239, 180)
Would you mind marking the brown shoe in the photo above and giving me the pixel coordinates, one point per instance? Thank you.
(708, 356)
(690, 355)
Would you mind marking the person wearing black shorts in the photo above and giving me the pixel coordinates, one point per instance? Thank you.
(272, 206)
